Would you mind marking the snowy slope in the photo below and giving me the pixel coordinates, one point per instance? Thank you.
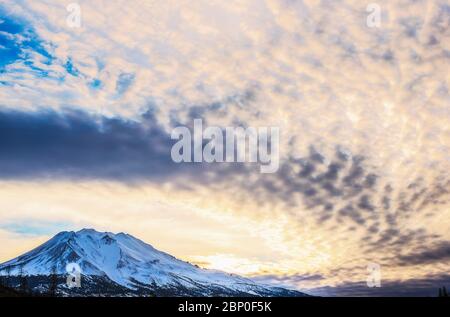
(130, 263)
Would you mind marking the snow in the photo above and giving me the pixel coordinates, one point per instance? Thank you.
(122, 258)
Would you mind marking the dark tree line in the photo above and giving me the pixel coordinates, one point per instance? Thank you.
(19, 285)
(53, 286)
(9, 286)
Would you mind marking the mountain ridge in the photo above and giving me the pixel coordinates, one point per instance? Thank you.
(122, 265)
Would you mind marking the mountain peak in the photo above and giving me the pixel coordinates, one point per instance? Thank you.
(87, 231)
(90, 231)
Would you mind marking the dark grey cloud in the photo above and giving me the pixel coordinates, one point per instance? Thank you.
(427, 286)
(407, 202)
(436, 253)
(340, 187)
(344, 189)
(76, 145)
(290, 278)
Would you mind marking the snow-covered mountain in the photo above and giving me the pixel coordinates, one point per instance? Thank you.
(121, 265)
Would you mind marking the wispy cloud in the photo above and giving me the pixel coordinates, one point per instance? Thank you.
(30, 227)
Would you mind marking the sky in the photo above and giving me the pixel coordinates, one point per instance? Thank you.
(87, 110)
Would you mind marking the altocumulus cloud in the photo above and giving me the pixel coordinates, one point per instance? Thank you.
(364, 115)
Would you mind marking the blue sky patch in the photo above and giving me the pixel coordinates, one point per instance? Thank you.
(35, 227)
(71, 69)
(17, 39)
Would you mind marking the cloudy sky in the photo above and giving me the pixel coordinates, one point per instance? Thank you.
(86, 114)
